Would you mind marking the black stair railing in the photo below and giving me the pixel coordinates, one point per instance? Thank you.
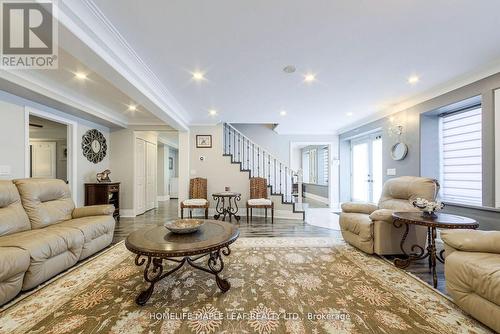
(259, 162)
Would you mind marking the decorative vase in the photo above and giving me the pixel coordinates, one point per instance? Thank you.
(428, 208)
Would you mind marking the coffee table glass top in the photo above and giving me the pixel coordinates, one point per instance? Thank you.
(159, 240)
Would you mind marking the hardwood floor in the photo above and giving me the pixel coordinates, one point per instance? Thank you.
(260, 228)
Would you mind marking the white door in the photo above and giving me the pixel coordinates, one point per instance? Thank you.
(366, 169)
(151, 155)
(43, 160)
(140, 176)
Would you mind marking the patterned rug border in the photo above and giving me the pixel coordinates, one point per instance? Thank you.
(96, 263)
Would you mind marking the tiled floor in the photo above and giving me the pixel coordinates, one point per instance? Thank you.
(319, 223)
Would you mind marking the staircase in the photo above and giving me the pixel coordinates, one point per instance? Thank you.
(258, 162)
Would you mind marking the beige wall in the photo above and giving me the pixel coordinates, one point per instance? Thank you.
(12, 140)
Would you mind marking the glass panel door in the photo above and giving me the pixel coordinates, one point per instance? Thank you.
(360, 171)
(366, 170)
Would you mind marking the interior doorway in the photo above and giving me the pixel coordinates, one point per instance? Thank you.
(366, 168)
(48, 149)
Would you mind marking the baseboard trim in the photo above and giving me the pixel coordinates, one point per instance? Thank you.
(317, 198)
(127, 213)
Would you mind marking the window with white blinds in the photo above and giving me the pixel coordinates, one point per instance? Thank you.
(461, 158)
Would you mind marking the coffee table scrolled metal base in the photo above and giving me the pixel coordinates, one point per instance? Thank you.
(204, 250)
(432, 223)
(154, 270)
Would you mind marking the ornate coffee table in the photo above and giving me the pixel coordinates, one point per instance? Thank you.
(227, 209)
(154, 245)
(440, 220)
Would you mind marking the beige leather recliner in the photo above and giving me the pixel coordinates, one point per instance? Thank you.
(370, 228)
(472, 271)
(42, 234)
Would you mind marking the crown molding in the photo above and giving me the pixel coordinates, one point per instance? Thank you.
(87, 22)
(26, 81)
(449, 86)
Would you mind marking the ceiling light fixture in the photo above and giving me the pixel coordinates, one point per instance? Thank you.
(413, 79)
(80, 76)
(349, 114)
(283, 113)
(212, 112)
(198, 76)
(132, 107)
(309, 77)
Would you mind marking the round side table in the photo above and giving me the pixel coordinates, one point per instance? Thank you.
(440, 220)
(224, 207)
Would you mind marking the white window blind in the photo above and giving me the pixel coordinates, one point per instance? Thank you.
(461, 158)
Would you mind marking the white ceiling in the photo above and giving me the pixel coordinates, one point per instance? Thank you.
(361, 51)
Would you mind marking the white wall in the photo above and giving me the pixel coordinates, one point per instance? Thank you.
(13, 135)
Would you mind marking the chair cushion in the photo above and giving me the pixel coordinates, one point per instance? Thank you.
(259, 201)
(51, 251)
(357, 223)
(13, 218)
(46, 201)
(195, 201)
(398, 192)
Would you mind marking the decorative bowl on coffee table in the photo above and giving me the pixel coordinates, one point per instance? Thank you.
(183, 226)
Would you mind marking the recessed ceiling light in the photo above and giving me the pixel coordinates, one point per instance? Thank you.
(283, 113)
(413, 79)
(80, 76)
(212, 112)
(289, 69)
(349, 114)
(309, 77)
(132, 107)
(198, 76)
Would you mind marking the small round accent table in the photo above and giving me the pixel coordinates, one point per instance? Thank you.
(440, 220)
(224, 207)
(155, 245)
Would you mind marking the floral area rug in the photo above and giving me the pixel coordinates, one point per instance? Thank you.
(278, 285)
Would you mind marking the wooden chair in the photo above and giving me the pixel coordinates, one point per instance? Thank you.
(198, 198)
(258, 198)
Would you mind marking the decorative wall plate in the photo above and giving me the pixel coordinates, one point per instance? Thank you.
(399, 151)
(94, 146)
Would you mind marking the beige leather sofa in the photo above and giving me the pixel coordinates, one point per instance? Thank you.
(43, 234)
(472, 271)
(369, 227)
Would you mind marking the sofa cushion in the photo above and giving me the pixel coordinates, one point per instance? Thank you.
(46, 201)
(51, 251)
(473, 273)
(13, 218)
(92, 228)
(13, 264)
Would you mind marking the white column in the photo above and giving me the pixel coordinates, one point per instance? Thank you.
(184, 165)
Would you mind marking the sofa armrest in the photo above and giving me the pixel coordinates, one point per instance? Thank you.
(358, 207)
(382, 215)
(93, 210)
(472, 240)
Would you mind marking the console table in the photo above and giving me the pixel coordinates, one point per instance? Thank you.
(103, 193)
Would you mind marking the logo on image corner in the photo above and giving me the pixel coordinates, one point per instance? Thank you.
(29, 35)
